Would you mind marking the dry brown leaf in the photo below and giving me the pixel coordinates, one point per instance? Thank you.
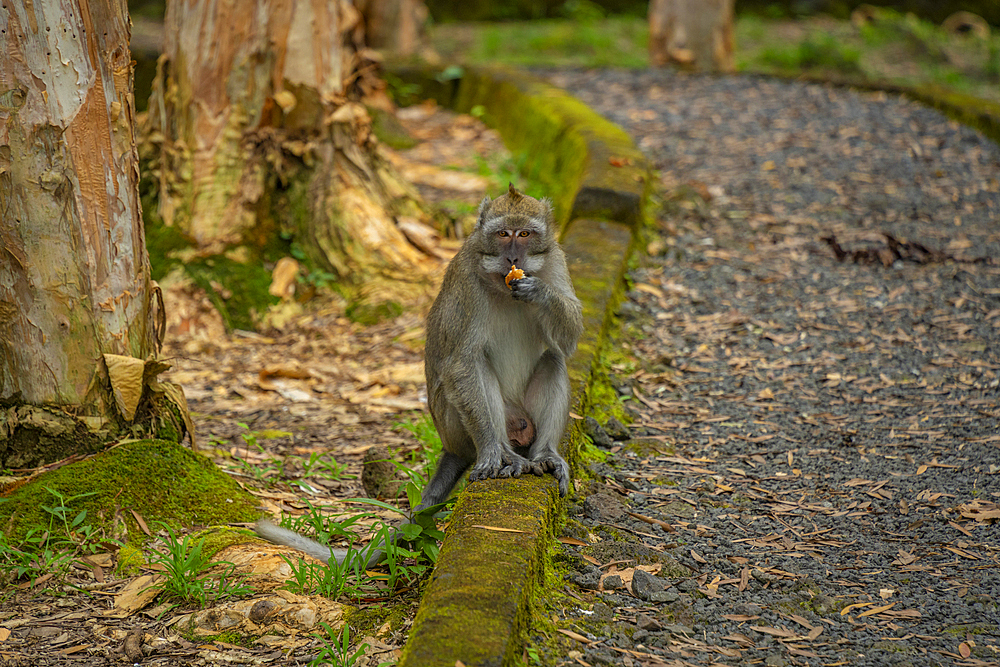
(877, 610)
(283, 277)
(573, 635)
(851, 607)
(137, 594)
(126, 377)
(572, 541)
(499, 530)
(964, 650)
(980, 511)
(774, 632)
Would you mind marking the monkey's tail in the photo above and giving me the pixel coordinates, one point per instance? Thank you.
(290, 538)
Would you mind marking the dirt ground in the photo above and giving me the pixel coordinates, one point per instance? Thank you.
(262, 404)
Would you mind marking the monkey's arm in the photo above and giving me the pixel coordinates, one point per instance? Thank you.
(559, 311)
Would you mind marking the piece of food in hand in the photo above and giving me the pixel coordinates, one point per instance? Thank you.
(515, 274)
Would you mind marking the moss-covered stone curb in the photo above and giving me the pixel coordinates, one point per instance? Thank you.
(589, 166)
(490, 563)
(477, 605)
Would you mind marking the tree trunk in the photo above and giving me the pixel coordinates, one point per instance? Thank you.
(258, 118)
(395, 26)
(695, 34)
(74, 275)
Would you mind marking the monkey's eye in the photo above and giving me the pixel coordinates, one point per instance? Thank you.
(503, 233)
(524, 233)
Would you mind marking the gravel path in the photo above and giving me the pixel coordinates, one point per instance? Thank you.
(812, 477)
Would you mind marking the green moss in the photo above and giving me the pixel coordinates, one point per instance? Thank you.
(237, 289)
(367, 621)
(367, 314)
(485, 579)
(164, 244)
(963, 629)
(387, 128)
(218, 538)
(159, 480)
(130, 560)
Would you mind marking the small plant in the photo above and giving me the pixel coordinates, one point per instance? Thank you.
(48, 554)
(329, 580)
(322, 466)
(336, 649)
(429, 449)
(419, 530)
(73, 527)
(38, 557)
(185, 565)
(274, 467)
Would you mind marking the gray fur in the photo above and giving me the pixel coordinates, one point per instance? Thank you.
(495, 357)
(491, 349)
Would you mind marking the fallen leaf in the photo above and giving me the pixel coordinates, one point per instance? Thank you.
(500, 530)
(775, 632)
(858, 605)
(572, 635)
(877, 610)
(138, 593)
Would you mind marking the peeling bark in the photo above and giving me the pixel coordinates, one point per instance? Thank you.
(74, 278)
(74, 274)
(695, 34)
(254, 97)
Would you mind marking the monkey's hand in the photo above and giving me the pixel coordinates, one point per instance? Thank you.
(528, 289)
(501, 463)
(552, 462)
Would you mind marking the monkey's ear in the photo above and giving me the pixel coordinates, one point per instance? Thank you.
(546, 205)
(483, 205)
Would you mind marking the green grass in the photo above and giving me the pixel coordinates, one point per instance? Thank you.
(611, 42)
(894, 49)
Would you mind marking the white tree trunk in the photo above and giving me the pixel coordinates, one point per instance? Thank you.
(251, 93)
(74, 276)
(696, 34)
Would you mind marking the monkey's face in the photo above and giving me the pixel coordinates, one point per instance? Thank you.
(514, 241)
(514, 230)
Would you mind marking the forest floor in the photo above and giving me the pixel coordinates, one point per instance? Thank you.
(289, 413)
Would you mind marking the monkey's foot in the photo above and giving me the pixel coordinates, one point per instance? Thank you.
(508, 464)
(557, 466)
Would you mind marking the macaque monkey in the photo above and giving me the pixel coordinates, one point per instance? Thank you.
(496, 353)
(495, 357)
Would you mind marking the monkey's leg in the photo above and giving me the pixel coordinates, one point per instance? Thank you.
(449, 471)
(483, 415)
(546, 399)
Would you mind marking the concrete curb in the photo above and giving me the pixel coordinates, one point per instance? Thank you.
(477, 606)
